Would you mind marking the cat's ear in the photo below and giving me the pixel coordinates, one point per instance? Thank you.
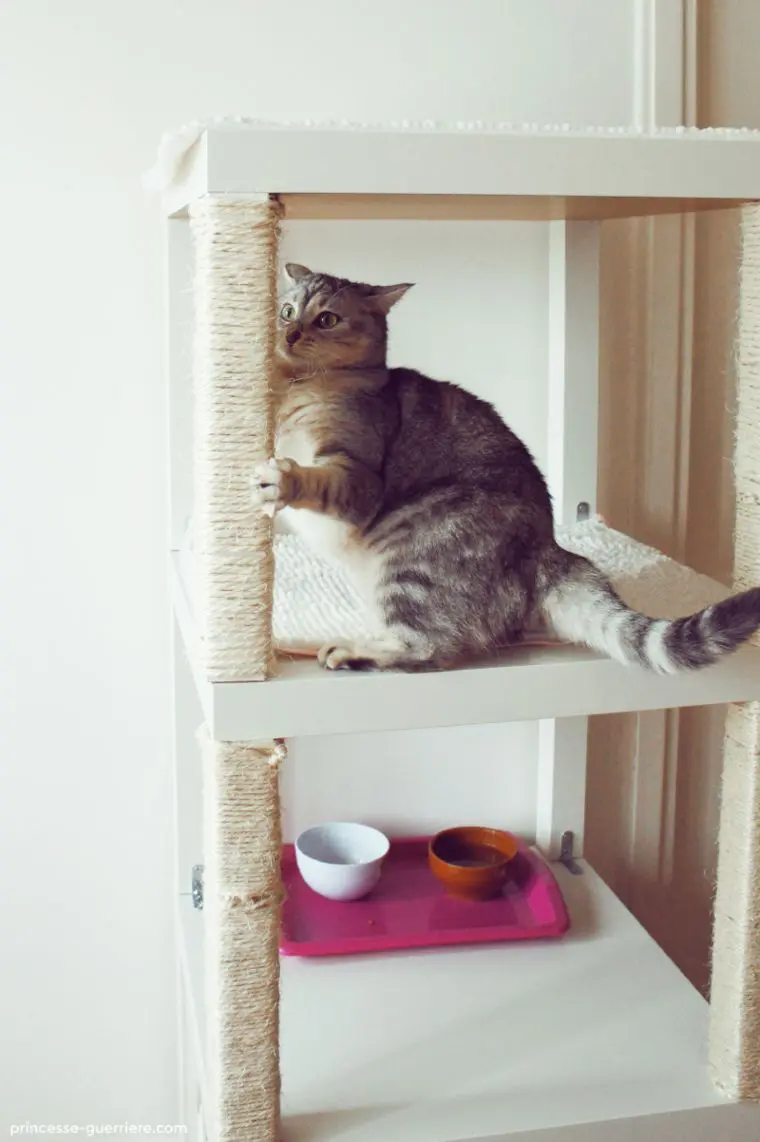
(295, 273)
(384, 298)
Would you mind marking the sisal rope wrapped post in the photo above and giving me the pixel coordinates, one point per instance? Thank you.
(735, 991)
(235, 299)
(242, 899)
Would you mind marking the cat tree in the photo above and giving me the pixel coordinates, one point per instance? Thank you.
(235, 181)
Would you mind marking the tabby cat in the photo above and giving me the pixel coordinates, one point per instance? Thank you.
(435, 508)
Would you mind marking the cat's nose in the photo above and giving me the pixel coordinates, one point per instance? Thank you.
(293, 336)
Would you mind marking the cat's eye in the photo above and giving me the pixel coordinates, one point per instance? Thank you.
(287, 313)
(327, 320)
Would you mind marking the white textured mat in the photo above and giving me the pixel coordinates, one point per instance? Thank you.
(314, 602)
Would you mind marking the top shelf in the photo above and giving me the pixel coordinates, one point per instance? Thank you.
(461, 171)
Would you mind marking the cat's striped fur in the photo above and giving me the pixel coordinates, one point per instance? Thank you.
(436, 508)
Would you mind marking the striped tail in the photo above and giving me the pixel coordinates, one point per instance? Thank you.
(580, 606)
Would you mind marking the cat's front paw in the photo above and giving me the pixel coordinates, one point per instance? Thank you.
(273, 484)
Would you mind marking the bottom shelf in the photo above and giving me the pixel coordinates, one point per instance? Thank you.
(496, 1042)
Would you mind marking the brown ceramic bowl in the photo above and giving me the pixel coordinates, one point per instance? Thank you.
(472, 862)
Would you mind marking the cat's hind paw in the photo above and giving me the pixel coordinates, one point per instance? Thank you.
(345, 657)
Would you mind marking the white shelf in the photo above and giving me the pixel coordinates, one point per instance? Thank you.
(528, 684)
(496, 1042)
(541, 172)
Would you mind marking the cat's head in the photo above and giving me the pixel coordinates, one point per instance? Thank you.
(330, 323)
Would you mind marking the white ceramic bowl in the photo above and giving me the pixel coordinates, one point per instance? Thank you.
(341, 860)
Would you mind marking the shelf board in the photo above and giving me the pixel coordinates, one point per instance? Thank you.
(526, 684)
(420, 172)
(490, 207)
(495, 1042)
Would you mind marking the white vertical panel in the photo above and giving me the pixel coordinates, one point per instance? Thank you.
(561, 802)
(573, 399)
(188, 718)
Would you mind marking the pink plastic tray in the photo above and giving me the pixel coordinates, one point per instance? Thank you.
(409, 909)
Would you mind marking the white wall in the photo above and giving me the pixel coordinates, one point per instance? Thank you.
(477, 312)
(86, 88)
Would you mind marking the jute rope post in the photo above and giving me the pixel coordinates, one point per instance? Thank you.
(235, 298)
(735, 992)
(242, 898)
